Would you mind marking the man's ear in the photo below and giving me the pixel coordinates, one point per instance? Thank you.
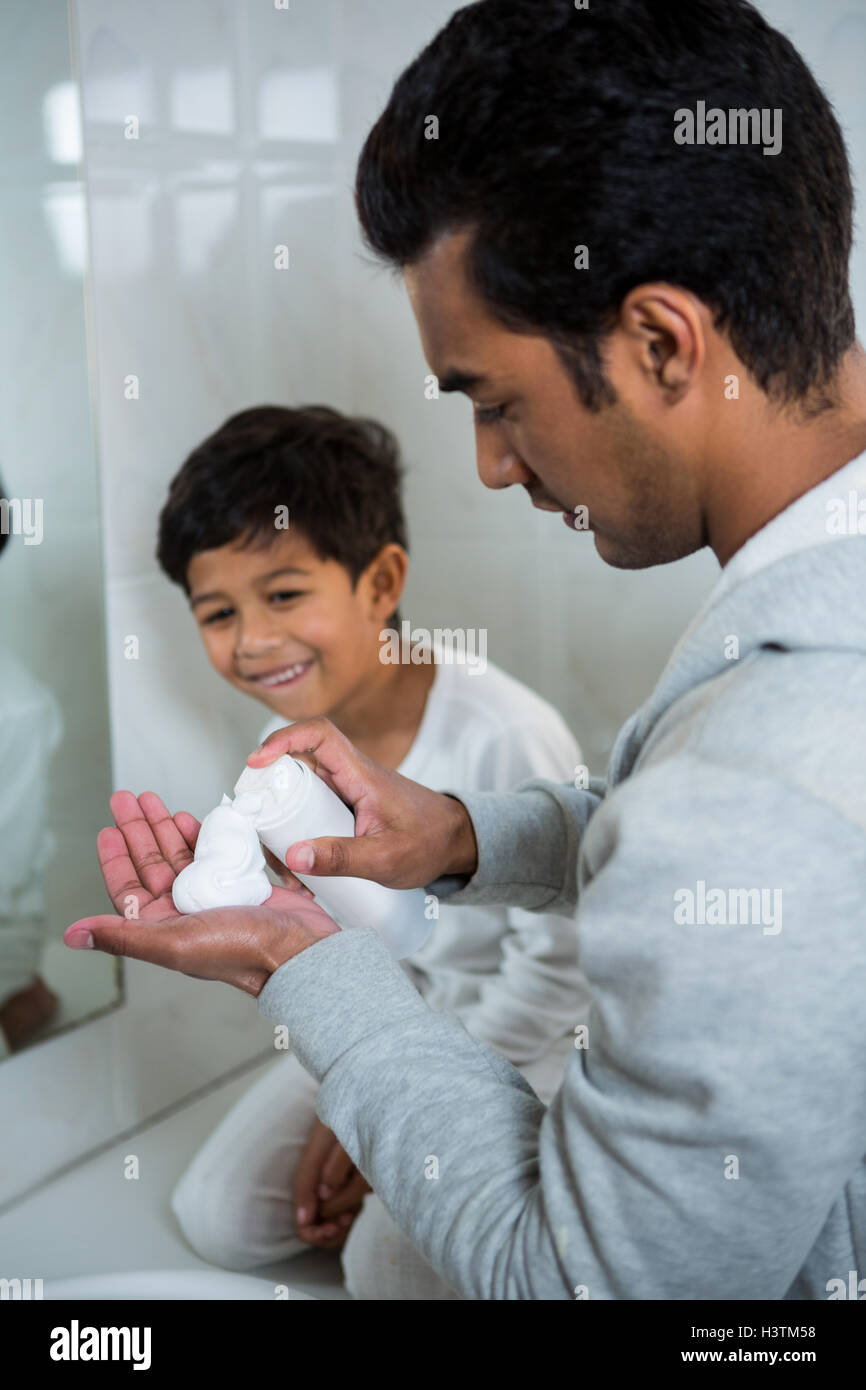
(666, 335)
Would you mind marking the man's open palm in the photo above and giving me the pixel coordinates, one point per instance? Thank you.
(140, 860)
(142, 857)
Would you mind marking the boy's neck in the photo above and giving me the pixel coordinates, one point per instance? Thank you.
(382, 718)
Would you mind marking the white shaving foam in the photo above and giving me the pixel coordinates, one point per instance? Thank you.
(229, 867)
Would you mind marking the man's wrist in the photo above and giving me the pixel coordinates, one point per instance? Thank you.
(284, 944)
(463, 847)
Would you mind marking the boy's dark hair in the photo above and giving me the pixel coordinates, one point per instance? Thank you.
(338, 476)
(556, 129)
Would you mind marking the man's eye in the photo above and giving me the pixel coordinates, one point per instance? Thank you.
(217, 617)
(488, 415)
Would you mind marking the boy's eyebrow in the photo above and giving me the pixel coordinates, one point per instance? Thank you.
(284, 569)
(271, 574)
(461, 381)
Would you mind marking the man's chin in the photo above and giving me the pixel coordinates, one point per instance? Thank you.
(622, 555)
(614, 552)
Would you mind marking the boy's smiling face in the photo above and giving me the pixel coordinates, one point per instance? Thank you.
(284, 625)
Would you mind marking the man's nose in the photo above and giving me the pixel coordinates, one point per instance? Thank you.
(498, 465)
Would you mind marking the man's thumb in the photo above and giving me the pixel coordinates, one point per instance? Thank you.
(338, 857)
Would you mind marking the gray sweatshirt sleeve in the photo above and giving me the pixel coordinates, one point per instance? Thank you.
(537, 994)
(528, 841)
(700, 1139)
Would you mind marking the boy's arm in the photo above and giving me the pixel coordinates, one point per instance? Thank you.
(699, 1142)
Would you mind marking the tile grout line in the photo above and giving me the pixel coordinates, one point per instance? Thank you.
(176, 1106)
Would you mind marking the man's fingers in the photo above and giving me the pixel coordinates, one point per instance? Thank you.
(335, 759)
(188, 827)
(344, 857)
(304, 736)
(337, 762)
(147, 858)
(167, 834)
(286, 877)
(121, 879)
(242, 946)
(270, 748)
(118, 936)
(174, 943)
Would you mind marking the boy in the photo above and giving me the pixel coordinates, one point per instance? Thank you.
(285, 529)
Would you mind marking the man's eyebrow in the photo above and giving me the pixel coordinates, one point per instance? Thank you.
(461, 381)
(272, 574)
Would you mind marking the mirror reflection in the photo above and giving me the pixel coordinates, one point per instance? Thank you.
(54, 742)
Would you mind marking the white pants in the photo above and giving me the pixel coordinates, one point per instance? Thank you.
(234, 1201)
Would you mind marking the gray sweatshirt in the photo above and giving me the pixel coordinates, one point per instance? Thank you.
(708, 1140)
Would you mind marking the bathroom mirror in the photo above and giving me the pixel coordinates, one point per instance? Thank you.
(54, 729)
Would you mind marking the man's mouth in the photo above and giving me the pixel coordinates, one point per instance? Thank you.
(280, 677)
(543, 503)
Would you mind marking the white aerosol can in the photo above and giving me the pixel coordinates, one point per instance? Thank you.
(287, 802)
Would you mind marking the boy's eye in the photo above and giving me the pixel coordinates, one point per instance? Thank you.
(217, 617)
(285, 594)
(489, 414)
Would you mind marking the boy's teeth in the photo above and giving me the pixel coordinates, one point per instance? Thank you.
(281, 676)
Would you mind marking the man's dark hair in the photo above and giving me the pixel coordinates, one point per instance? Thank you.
(556, 129)
(338, 476)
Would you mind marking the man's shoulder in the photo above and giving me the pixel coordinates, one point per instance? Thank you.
(792, 717)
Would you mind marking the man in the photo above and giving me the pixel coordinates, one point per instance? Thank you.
(659, 341)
